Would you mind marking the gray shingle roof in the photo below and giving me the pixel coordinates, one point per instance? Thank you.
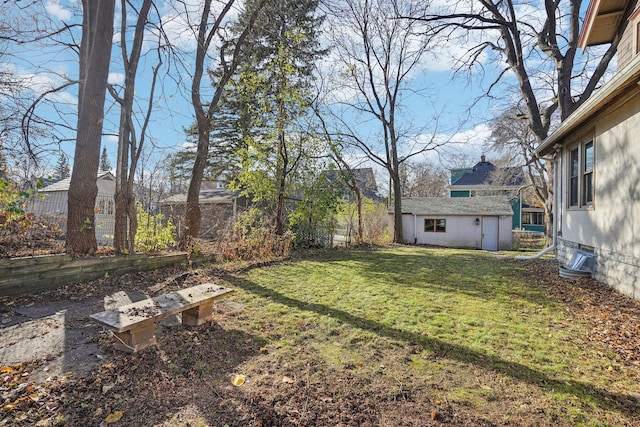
(482, 175)
(63, 184)
(489, 205)
(206, 196)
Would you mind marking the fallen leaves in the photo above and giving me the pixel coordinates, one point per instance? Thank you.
(238, 379)
(288, 380)
(23, 398)
(613, 316)
(113, 417)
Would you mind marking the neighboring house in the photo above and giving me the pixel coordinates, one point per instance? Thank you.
(596, 154)
(51, 203)
(147, 197)
(474, 222)
(484, 179)
(219, 208)
(365, 179)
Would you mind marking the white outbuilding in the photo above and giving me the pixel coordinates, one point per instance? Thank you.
(470, 222)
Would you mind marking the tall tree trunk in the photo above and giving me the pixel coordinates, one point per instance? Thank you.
(193, 213)
(206, 32)
(125, 211)
(360, 231)
(95, 57)
(397, 209)
(132, 213)
(281, 172)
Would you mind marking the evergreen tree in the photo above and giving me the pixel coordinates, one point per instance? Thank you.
(62, 167)
(105, 165)
(270, 93)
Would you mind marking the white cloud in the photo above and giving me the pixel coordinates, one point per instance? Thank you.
(116, 78)
(41, 83)
(111, 138)
(55, 9)
(63, 97)
(180, 20)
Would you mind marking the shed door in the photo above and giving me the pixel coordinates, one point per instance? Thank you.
(490, 233)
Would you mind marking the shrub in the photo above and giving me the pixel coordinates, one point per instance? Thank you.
(251, 237)
(153, 234)
(21, 233)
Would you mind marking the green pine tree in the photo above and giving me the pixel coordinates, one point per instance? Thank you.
(270, 93)
(105, 165)
(62, 167)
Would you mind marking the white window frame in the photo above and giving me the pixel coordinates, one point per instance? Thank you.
(580, 174)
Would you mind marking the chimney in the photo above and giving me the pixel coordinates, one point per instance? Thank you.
(483, 158)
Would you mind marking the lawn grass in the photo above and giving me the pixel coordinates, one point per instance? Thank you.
(465, 327)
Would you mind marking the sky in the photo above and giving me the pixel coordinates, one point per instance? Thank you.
(437, 92)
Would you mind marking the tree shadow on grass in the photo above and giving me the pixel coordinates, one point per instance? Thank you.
(602, 398)
(473, 273)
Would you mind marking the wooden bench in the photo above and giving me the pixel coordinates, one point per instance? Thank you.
(133, 325)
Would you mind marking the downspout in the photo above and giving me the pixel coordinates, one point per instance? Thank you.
(415, 229)
(554, 234)
(520, 214)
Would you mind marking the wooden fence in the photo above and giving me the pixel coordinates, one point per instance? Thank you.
(20, 276)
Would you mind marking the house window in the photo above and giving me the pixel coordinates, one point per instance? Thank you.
(573, 177)
(638, 37)
(105, 207)
(587, 177)
(435, 225)
(581, 165)
(533, 218)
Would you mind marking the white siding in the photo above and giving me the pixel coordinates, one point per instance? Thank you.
(461, 231)
(53, 206)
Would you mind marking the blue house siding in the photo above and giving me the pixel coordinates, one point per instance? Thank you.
(476, 181)
(517, 213)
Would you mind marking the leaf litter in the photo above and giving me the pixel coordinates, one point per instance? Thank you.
(191, 367)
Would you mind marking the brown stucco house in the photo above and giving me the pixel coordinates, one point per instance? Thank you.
(596, 153)
(219, 208)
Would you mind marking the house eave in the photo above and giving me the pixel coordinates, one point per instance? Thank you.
(436, 215)
(623, 79)
(601, 22)
(200, 202)
(486, 187)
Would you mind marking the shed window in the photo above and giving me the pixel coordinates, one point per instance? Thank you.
(581, 168)
(435, 225)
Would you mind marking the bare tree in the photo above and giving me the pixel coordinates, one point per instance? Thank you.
(204, 109)
(511, 134)
(336, 152)
(130, 139)
(424, 179)
(379, 59)
(23, 29)
(97, 35)
(539, 50)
